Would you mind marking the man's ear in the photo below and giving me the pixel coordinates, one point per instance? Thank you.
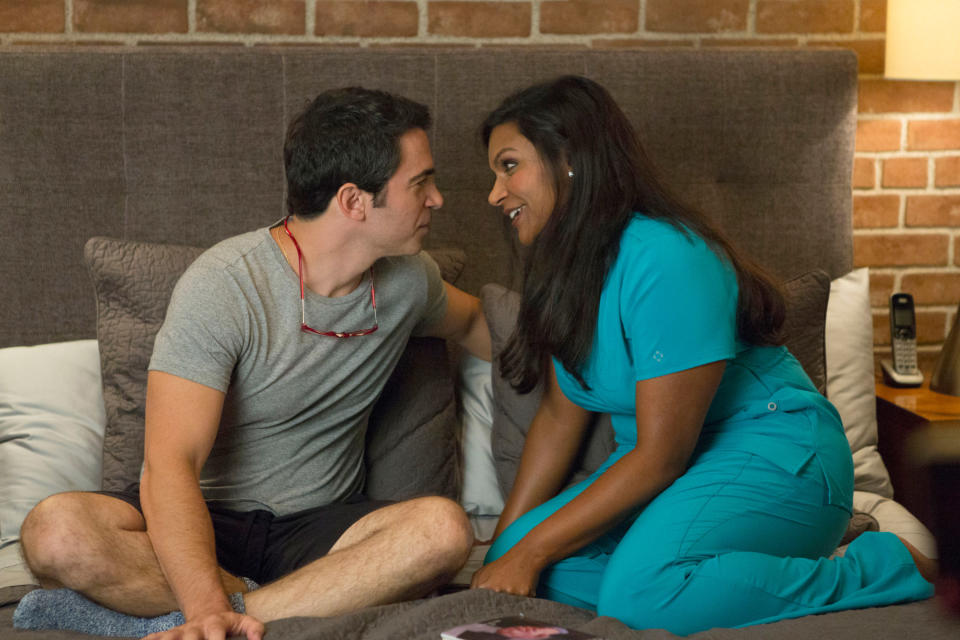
(352, 201)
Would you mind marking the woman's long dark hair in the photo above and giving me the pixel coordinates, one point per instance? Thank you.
(573, 121)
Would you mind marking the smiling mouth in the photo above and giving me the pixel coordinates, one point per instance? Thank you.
(513, 214)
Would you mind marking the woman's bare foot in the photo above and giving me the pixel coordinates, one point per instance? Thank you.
(927, 567)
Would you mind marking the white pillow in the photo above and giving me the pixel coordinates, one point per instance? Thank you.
(893, 517)
(51, 426)
(481, 493)
(850, 381)
(15, 577)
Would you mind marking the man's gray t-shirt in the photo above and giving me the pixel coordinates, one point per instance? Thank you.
(294, 420)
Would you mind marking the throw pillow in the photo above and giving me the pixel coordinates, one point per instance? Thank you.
(51, 437)
(807, 298)
(850, 382)
(133, 283)
(513, 412)
(51, 426)
(15, 578)
(481, 493)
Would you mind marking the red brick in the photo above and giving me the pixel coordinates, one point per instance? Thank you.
(881, 329)
(947, 172)
(749, 42)
(252, 16)
(900, 249)
(881, 288)
(933, 211)
(895, 96)
(565, 46)
(932, 288)
(589, 16)
(878, 135)
(931, 327)
(322, 45)
(864, 173)
(367, 19)
(193, 43)
(905, 172)
(130, 16)
(480, 19)
(876, 211)
(871, 54)
(32, 16)
(696, 16)
(933, 135)
(638, 43)
(873, 15)
(414, 44)
(805, 16)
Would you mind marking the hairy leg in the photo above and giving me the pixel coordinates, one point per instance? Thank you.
(98, 545)
(396, 553)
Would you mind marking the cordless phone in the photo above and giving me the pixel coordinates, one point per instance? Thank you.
(903, 371)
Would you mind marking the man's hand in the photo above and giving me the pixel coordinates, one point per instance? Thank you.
(215, 626)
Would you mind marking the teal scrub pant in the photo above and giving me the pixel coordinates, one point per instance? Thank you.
(735, 541)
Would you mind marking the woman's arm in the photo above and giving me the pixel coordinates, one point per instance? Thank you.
(670, 413)
(551, 445)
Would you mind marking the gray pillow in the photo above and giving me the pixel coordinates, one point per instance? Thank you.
(512, 412)
(805, 326)
(411, 438)
(806, 316)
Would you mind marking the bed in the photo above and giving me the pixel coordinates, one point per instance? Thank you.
(118, 164)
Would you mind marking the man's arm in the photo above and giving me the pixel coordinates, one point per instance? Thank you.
(464, 323)
(182, 419)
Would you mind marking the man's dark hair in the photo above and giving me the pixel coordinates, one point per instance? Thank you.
(346, 135)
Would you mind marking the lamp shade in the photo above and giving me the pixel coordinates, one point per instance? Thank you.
(923, 39)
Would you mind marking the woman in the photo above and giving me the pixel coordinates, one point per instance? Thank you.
(732, 479)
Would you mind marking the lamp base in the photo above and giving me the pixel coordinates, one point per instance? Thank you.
(946, 375)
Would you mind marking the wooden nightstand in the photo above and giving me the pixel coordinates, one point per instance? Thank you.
(903, 413)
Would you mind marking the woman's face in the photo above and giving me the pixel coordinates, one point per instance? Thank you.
(524, 189)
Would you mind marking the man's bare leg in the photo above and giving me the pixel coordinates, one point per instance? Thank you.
(399, 552)
(97, 545)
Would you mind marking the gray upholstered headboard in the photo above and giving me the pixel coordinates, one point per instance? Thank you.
(183, 146)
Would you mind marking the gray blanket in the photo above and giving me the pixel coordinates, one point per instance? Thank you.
(425, 619)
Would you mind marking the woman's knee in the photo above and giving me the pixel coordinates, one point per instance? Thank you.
(639, 598)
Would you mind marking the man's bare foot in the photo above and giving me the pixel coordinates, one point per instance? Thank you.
(927, 567)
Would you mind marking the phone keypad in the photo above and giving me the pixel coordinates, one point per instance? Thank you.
(905, 355)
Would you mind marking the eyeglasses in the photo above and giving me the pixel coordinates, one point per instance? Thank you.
(303, 310)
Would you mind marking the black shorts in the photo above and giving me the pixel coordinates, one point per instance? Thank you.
(263, 547)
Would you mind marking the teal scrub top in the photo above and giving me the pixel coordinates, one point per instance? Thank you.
(669, 303)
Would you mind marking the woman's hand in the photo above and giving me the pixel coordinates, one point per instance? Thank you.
(511, 573)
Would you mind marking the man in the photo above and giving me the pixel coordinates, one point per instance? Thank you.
(275, 346)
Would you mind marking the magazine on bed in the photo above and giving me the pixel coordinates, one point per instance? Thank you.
(513, 627)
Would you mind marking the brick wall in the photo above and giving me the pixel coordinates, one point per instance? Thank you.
(907, 166)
